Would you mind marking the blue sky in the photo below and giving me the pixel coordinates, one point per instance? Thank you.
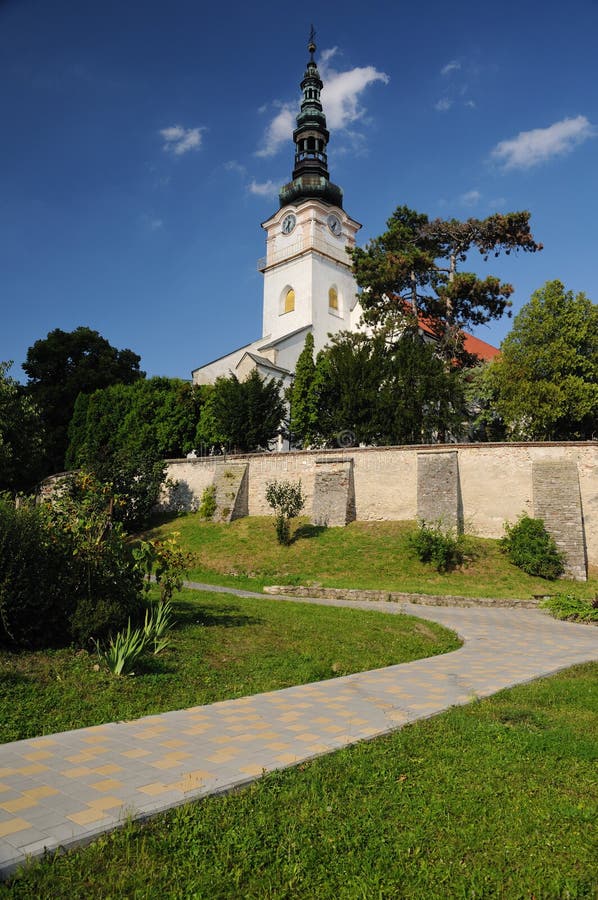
(143, 144)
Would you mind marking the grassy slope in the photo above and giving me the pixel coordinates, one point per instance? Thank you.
(363, 555)
(224, 647)
(494, 800)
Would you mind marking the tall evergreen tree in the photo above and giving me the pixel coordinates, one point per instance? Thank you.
(385, 390)
(241, 416)
(302, 397)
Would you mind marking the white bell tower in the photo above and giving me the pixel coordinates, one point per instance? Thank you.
(308, 282)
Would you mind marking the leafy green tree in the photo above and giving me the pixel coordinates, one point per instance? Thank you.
(412, 272)
(545, 381)
(302, 400)
(65, 364)
(375, 390)
(156, 415)
(241, 415)
(21, 435)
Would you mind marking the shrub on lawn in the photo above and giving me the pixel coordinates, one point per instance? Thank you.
(66, 570)
(530, 548)
(207, 507)
(287, 501)
(438, 545)
(568, 606)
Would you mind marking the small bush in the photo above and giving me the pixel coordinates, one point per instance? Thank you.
(287, 501)
(438, 545)
(207, 507)
(530, 548)
(66, 571)
(567, 606)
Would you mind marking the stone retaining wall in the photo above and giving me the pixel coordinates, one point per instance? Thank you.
(495, 482)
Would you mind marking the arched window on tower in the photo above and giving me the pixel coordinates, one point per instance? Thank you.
(289, 301)
(333, 299)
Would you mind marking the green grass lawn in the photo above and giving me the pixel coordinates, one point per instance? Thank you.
(362, 555)
(223, 647)
(498, 799)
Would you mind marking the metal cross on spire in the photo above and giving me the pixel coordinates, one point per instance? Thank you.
(312, 41)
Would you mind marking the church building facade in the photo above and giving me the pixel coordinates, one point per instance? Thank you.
(308, 281)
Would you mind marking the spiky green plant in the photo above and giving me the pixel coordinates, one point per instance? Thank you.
(124, 649)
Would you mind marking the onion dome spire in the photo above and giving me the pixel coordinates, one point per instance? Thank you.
(310, 174)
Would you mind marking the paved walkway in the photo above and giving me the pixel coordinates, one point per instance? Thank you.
(67, 788)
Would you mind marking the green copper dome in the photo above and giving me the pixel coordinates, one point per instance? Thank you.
(310, 174)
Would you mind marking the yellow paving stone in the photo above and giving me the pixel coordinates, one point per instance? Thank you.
(76, 772)
(13, 826)
(269, 734)
(322, 720)
(333, 729)
(154, 788)
(12, 806)
(37, 754)
(278, 745)
(4, 788)
(43, 742)
(252, 769)
(108, 784)
(191, 781)
(108, 769)
(136, 754)
(224, 739)
(33, 769)
(4, 772)
(173, 744)
(40, 792)
(318, 748)
(106, 802)
(287, 758)
(307, 736)
(223, 756)
(299, 727)
(86, 816)
(247, 737)
(170, 761)
(197, 729)
(149, 734)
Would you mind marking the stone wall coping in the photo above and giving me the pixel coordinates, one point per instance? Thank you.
(398, 597)
(426, 448)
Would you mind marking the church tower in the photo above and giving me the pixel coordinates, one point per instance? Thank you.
(308, 282)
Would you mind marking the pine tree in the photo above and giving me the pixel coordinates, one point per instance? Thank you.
(303, 402)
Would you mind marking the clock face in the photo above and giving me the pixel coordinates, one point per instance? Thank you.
(334, 223)
(288, 223)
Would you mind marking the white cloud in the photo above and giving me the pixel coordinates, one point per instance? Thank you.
(530, 148)
(155, 223)
(263, 188)
(233, 166)
(443, 105)
(470, 104)
(179, 140)
(453, 66)
(342, 90)
(278, 131)
(470, 198)
(340, 98)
